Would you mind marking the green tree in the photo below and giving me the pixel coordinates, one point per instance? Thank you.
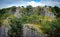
(57, 11)
(29, 10)
(38, 10)
(16, 28)
(52, 29)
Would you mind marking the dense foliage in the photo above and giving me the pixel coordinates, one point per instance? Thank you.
(16, 28)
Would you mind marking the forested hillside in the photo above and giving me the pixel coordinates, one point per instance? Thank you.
(30, 21)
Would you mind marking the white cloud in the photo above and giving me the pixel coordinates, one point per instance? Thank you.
(52, 3)
(34, 4)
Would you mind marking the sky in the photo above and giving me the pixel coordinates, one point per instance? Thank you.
(34, 3)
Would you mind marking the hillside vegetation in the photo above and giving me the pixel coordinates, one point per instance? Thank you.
(45, 19)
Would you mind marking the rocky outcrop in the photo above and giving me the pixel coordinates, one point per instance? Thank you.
(3, 31)
(18, 13)
(29, 31)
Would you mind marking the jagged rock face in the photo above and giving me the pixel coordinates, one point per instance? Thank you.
(29, 31)
(12, 11)
(4, 28)
(46, 13)
(18, 13)
(49, 14)
(15, 11)
(3, 31)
